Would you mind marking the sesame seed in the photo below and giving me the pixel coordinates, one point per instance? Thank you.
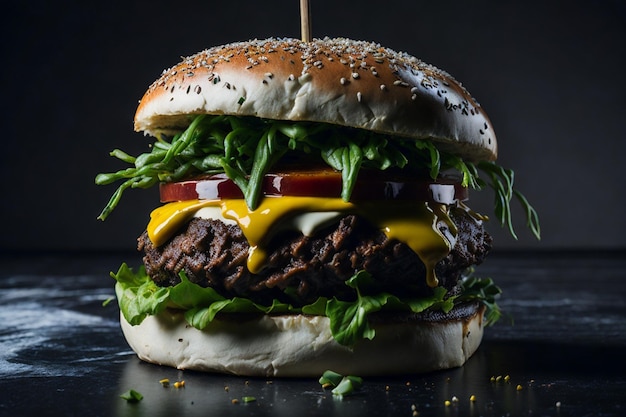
(291, 77)
(355, 75)
(359, 97)
(343, 81)
(197, 89)
(383, 87)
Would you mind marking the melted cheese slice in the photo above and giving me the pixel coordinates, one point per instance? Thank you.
(424, 226)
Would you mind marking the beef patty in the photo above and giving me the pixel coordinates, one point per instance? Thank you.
(299, 269)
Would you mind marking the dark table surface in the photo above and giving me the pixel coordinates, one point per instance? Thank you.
(62, 352)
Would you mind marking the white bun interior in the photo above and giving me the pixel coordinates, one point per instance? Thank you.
(337, 81)
(302, 346)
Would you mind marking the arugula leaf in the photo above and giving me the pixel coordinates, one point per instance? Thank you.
(485, 291)
(502, 183)
(348, 160)
(246, 148)
(268, 151)
(435, 157)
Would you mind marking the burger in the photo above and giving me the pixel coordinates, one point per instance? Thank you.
(313, 213)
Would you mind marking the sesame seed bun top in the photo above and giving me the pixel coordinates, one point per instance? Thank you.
(337, 81)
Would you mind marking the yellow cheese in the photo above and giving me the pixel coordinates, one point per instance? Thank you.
(424, 226)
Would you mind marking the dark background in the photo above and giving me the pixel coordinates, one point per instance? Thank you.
(550, 75)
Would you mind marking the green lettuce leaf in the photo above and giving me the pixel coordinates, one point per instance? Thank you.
(138, 297)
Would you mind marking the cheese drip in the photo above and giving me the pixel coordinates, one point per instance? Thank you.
(424, 226)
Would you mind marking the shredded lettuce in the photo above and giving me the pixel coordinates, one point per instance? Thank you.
(246, 148)
(138, 297)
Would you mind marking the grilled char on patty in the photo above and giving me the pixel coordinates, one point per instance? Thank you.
(214, 254)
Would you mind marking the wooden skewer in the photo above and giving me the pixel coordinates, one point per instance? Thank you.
(305, 20)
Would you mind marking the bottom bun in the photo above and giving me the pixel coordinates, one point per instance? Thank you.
(302, 346)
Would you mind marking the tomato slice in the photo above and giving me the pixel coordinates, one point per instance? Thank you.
(319, 183)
